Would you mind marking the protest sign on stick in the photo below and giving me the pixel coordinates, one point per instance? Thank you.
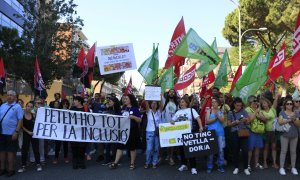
(152, 93)
(116, 58)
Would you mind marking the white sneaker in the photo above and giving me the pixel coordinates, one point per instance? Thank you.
(39, 168)
(183, 168)
(22, 169)
(294, 171)
(282, 171)
(194, 171)
(235, 171)
(247, 172)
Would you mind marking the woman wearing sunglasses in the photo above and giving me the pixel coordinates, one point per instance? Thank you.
(290, 137)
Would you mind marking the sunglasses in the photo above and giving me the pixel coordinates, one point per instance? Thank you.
(254, 101)
(296, 101)
(289, 104)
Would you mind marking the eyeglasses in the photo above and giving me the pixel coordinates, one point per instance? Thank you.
(289, 104)
(254, 101)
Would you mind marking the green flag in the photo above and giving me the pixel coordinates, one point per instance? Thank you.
(256, 69)
(194, 47)
(250, 83)
(149, 68)
(167, 79)
(205, 67)
(224, 70)
(214, 46)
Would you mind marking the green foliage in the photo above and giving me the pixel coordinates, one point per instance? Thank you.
(279, 16)
(248, 51)
(40, 38)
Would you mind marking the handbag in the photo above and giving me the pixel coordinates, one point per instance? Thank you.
(3, 118)
(280, 128)
(242, 132)
(156, 131)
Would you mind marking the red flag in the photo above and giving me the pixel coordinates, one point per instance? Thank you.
(39, 84)
(63, 94)
(206, 106)
(276, 64)
(177, 37)
(287, 69)
(128, 89)
(2, 75)
(83, 68)
(90, 56)
(186, 79)
(203, 90)
(80, 58)
(208, 79)
(296, 46)
(237, 75)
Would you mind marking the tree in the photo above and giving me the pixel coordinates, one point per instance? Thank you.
(279, 16)
(43, 25)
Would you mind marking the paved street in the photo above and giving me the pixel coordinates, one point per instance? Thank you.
(97, 171)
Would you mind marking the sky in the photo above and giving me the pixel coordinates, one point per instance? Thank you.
(142, 22)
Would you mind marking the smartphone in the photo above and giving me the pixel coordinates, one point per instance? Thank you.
(241, 117)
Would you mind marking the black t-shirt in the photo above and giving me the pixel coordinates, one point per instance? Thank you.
(73, 108)
(28, 123)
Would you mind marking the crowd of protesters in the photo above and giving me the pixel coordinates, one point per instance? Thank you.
(246, 133)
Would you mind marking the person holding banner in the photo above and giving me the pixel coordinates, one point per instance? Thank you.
(169, 109)
(28, 125)
(214, 121)
(131, 109)
(152, 132)
(113, 107)
(65, 104)
(78, 148)
(238, 121)
(187, 114)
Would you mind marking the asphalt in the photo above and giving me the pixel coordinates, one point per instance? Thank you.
(94, 170)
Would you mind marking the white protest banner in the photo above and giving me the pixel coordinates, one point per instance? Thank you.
(152, 93)
(116, 58)
(65, 125)
(171, 135)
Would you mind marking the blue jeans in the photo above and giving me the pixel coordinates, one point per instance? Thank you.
(152, 147)
(221, 145)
